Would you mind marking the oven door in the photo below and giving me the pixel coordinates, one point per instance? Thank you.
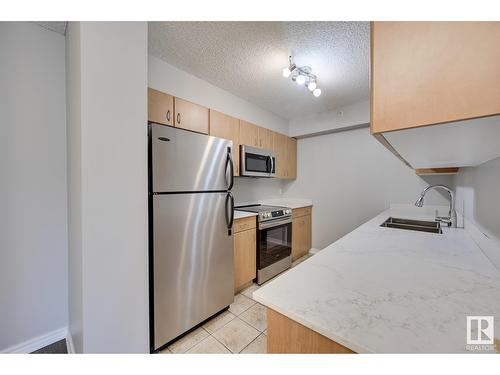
(274, 248)
(256, 162)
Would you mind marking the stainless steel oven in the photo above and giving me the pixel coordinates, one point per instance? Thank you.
(256, 162)
(274, 240)
(274, 248)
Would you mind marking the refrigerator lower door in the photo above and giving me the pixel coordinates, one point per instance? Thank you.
(193, 261)
(184, 161)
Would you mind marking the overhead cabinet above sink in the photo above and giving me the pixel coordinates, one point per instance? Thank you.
(435, 91)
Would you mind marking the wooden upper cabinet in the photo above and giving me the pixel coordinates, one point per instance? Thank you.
(191, 116)
(160, 107)
(291, 158)
(280, 149)
(249, 134)
(228, 127)
(426, 73)
(265, 138)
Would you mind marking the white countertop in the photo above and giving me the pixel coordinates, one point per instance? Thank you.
(243, 214)
(384, 290)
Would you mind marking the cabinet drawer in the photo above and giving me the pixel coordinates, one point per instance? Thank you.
(245, 224)
(298, 212)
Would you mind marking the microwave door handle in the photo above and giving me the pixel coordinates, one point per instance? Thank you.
(272, 165)
(268, 164)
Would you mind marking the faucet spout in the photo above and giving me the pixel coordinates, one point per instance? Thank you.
(451, 219)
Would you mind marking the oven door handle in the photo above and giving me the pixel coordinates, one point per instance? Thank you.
(274, 223)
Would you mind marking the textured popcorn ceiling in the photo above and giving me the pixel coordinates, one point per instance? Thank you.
(57, 26)
(246, 59)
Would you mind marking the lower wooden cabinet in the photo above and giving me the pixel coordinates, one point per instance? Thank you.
(245, 252)
(301, 232)
(286, 336)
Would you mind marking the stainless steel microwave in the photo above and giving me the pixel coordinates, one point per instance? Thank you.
(256, 162)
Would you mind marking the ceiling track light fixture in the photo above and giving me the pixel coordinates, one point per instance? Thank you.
(302, 76)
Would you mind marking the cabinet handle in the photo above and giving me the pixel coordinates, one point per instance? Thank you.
(168, 115)
(178, 118)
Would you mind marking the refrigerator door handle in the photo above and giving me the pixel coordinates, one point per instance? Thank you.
(229, 213)
(229, 161)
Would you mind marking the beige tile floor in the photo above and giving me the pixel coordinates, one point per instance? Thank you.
(240, 329)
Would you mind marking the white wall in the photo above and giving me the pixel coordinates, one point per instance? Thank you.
(478, 196)
(74, 152)
(108, 233)
(33, 231)
(340, 118)
(250, 190)
(351, 177)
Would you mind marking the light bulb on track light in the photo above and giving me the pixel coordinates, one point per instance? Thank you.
(300, 79)
(312, 86)
(317, 92)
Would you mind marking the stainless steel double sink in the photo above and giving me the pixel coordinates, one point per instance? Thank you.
(417, 225)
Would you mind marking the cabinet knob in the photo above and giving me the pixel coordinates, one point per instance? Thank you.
(178, 118)
(168, 115)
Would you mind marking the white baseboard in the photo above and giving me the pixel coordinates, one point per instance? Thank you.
(36, 343)
(312, 250)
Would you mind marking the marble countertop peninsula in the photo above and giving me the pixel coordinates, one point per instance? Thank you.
(385, 290)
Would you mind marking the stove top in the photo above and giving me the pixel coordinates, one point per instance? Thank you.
(266, 212)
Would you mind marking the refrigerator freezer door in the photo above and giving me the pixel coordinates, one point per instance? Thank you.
(183, 161)
(193, 262)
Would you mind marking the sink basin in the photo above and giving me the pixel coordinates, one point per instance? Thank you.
(417, 225)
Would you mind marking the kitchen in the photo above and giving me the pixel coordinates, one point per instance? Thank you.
(267, 203)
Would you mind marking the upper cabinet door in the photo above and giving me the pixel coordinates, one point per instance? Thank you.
(228, 127)
(426, 73)
(265, 138)
(292, 158)
(280, 149)
(191, 116)
(249, 134)
(160, 107)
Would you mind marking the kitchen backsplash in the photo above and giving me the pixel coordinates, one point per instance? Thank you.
(251, 190)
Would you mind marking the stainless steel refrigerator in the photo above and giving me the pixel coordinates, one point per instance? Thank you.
(190, 219)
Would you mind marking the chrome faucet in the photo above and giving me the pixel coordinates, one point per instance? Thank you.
(451, 219)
